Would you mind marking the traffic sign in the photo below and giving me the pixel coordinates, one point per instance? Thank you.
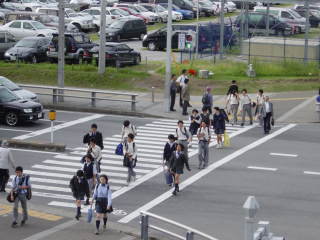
(181, 41)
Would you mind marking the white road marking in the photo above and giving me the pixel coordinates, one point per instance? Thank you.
(15, 130)
(33, 151)
(262, 168)
(311, 173)
(284, 154)
(47, 120)
(204, 172)
(58, 127)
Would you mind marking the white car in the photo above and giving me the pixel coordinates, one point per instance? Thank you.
(152, 17)
(96, 13)
(26, 5)
(122, 13)
(20, 92)
(27, 28)
(228, 6)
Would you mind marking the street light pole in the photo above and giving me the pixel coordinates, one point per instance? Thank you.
(61, 47)
(102, 47)
(168, 58)
(306, 35)
(221, 28)
(197, 31)
(268, 20)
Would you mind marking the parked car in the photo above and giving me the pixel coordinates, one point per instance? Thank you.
(29, 49)
(117, 54)
(27, 28)
(26, 5)
(314, 16)
(7, 40)
(96, 13)
(205, 8)
(121, 13)
(239, 4)
(286, 15)
(257, 22)
(20, 92)
(152, 17)
(160, 11)
(186, 14)
(311, 7)
(183, 4)
(126, 29)
(14, 110)
(77, 47)
(228, 6)
(135, 13)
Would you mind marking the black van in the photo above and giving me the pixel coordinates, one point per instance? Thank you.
(126, 28)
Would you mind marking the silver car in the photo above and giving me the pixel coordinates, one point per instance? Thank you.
(20, 92)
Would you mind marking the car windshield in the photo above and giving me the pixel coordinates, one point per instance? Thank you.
(117, 24)
(141, 9)
(160, 8)
(7, 96)
(27, 43)
(295, 14)
(38, 25)
(8, 84)
(133, 11)
(119, 12)
(316, 13)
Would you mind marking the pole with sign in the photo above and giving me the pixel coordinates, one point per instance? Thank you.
(181, 44)
(52, 116)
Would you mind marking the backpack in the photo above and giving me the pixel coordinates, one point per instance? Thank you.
(29, 191)
(206, 99)
(205, 118)
(224, 114)
(119, 149)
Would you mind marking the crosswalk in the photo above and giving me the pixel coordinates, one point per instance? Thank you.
(50, 178)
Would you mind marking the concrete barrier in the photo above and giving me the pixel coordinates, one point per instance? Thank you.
(42, 146)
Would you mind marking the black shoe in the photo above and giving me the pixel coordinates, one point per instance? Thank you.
(23, 222)
(185, 114)
(173, 110)
(178, 190)
(87, 202)
(77, 217)
(251, 123)
(174, 193)
(14, 224)
(189, 105)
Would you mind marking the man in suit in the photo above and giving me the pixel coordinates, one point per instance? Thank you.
(267, 114)
(94, 134)
(185, 97)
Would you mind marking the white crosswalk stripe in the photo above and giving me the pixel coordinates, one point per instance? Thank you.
(50, 178)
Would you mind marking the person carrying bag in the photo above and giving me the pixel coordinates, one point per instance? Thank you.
(130, 157)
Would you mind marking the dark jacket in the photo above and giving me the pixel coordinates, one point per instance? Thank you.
(193, 128)
(173, 87)
(219, 121)
(167, 152)
(233, 89)
(79, 189)
(205, 118)
(177, 164)
(98, 137)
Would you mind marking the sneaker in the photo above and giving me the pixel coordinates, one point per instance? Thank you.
(96, 232)
(14, 224)
(23, 222)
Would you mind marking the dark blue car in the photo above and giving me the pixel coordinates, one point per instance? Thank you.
(187, 14)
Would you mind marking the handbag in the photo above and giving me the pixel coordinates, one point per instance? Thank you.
(272, 121)
(90, 214)
(126, 161)
(9, 197)
(119, 149)
(110, 210)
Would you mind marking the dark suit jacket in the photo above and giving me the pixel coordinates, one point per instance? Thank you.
(98, 137)
(167, 152)
(263, 110)
(177, 164)
(79, 189)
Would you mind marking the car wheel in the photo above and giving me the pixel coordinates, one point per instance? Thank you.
(34, 59)
(11, 119)
(137, 60)
(118, 64)
(141, 36)
(28, 10)
(152, 46)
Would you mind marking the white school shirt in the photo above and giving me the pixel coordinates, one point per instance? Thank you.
(125, 131)
(244, 100)
(260, 99)
(181, 80)
(206, 136)
(233, 99)
(132, 151)
(267, 106)
(96, 153)
(181, 134)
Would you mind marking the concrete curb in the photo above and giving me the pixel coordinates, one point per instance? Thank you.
(42, 146)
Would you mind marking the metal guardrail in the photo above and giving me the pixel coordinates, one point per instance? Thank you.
(190, 232)
(59, 93)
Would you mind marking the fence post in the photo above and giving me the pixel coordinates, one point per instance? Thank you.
(93, 99)
(152, 94)
(190, 235)
(54, 96)
(144, 227)
(133, 103)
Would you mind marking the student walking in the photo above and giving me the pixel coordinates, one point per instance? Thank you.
(127, 128)
(245, 106)
(219, 126)
(21, 187)
(205, 116)
(260, 102)
(267, 114)
(233, 88)
(95, 151)
(169, 148)
(80, 188)
(185, 97)
(103, 198)
(207, 100)
(183, 137)
(195, 121)
(94, 134)
(6, 161)
(181, 82)
(204, 138)
(173, 92)
(130, 157)
(177, 163)
(90, 174)
(233, 101)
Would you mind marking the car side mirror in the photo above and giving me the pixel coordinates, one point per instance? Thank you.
(130, 50)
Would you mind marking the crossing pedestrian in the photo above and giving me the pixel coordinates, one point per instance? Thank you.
(177, 163)
(169, 148)
(260, 102)
(173, 92)
(6, 161)
(127, 128)
(245, 106)
(21, 186)
(233, 88)
(207, 99)
(186, 97)
(103, 197)
(205, 116)
(233, 101)
(90, 174)
(130, 157)
(183, 137)
(267, 114)
(181, 82)
(204, 138)
(95, 134)
(219, 125)
(95, 151)
(195, 120)
(79, 188)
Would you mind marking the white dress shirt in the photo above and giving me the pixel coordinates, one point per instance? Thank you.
(181, 80)
(96, 153)
(203, 134)
(6, 159)
(260, 99)
(267, 106)
(233, 99)
(130, 149)
(182, 134)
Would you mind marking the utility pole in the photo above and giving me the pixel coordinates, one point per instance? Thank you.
(268, 20)
(102, 47)
(246, 28)
(197, 31)
(221, 29)
(306, 35)
(241, 27)
(168, 58)
(61, 46)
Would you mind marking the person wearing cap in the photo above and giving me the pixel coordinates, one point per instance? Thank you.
(6, 161)
(103, 197)
(90, 173)
(79, 187)
(93, 133)
(207, 99)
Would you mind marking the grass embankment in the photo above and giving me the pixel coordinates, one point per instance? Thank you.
(272, 77)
